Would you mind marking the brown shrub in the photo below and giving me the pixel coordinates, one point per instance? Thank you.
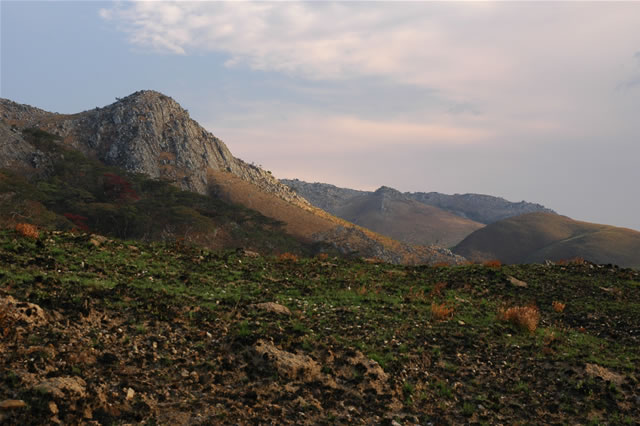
(558, 306)
(27, 230)
(494, 263)
(440, 311)
(288, 257)
(322, 256)
(525, 317)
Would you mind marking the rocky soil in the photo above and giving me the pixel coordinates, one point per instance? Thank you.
(101, 331)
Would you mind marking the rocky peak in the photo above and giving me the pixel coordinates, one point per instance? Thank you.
(148, 132)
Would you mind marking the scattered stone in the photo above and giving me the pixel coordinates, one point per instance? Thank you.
(53, 408)
(516, 282)
(130, 394)
(293, 366)
(595, 370)
(57, 386)
(273, 308)
(12, 404)
(29, 313)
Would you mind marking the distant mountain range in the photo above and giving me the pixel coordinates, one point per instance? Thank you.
(148, 134)
(419, 218)
(141, 168)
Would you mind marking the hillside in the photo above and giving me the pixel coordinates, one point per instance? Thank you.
(475, 207)
(112, 332)
(149, 134)
(391, 213)
(538, 237)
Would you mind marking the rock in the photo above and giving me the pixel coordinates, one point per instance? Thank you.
(29, 313)
(290, 365)
(130, 394)
(273, 308)
(595, 370)
(57, 386)
(53, 408)
(12, 404)
(516, 282)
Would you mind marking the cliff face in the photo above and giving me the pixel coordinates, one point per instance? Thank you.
(146, 132)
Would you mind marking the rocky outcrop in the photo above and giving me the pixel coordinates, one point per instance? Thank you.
(146, 132)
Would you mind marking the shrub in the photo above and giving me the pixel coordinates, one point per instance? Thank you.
(525, 317)
(27, 230)
(558, 306)
(440, 311)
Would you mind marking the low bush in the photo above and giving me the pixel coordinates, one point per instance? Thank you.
(525, 317)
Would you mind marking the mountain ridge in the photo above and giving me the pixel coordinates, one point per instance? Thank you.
(477, 207)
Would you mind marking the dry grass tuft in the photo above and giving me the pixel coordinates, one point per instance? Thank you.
(322, 256)
(27, 230)
(440, 312)
(525, 317)
(288, 257)
(558, 306)
(494, 263)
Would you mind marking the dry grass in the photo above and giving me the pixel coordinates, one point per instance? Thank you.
(27, 230)
(440, 312)
(494, 263)
(558, 306)
(288, 257)
(525, 317)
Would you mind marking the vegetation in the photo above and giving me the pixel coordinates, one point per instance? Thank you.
(166, 331)
(76, 192)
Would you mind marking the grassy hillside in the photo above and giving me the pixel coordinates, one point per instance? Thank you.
(69, 190)
(115, 332)
(406, 220)
(536, 237)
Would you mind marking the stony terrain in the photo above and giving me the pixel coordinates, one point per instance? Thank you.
(476, 207)
(103, 331)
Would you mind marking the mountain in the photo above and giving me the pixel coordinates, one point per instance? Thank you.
(476, 207)
(537, 237)
(149, 134)
(146, 132)
(395, 215)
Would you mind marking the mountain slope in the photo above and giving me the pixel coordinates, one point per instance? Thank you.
(146, 132)
(391, 213)
(149, 133)
(537, 237)
(476, 207)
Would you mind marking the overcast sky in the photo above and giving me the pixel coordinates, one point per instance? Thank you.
(524, 100)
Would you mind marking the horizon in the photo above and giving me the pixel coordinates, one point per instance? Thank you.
(524, 101)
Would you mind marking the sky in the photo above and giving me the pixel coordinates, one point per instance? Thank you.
(535, 101)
